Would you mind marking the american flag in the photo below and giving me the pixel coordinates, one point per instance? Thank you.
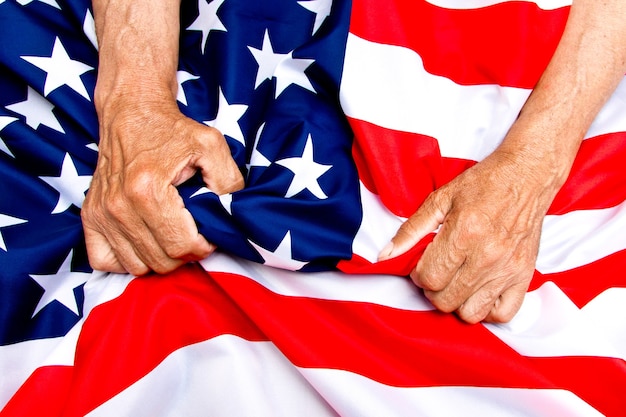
(344, 116)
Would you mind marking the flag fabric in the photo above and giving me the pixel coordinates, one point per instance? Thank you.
(344, 117)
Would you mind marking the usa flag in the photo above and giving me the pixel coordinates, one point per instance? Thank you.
(344, 116)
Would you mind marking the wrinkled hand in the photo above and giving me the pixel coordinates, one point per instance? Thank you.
(482, 259)
(134, 219)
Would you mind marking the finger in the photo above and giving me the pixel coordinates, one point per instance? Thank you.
(447, 289)
(507, 305)
(476, 308)
(219, 170)
(443, 266)
(425, 220)
(104, 257)
(130, 237)
(100, 254)
(172, 236)
(227, 178)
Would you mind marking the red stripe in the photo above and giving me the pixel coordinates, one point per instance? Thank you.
(598, 381)
(415, 349)
(598, 178)
(508, 44)
(586, 282)
(125, 339)
(403, 168)
(45, 393)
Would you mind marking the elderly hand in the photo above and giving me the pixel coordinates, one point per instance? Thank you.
(481, 261)
(133, 216)
(482, 258)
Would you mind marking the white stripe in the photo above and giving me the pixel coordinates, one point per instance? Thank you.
(611, 118)
(377, 227)
(388, 86)
(20, 360)
(549, 324)
(580, 237)
(387, 290)
(354, 395)
(228, 376)
(102, 287)
(475, 4)
(606, 312)
(224, 376)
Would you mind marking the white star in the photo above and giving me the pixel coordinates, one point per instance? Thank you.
(4, 122)
(37, 110)
(70, 185)
(291, 71)
(225, 199)
(306, 172)
(6, 221)
(48, 2)
(257, 159)
(266, 59)
(61, 70)
(60, 286)
(321, 8)
(227, 119)
(207, 20)
(89, 28)
(181, 77)
(281, 257)
(201, 190)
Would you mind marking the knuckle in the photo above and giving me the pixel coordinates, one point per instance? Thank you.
(138, 187)
(208, 136)
(178, 250)
(501, 315)
(98, 263)
(491, 256)
(115, 207)
(441, 301)
(444, 304)
(138, 270)
(474, 225)
(471, 316)
(428, 279)
(165, 266)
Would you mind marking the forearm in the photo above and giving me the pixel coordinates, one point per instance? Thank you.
(587, 66)
(138, 48)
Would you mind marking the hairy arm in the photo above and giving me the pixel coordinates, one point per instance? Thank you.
(483, 257)
(133, 217)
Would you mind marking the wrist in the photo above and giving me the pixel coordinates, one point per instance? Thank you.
(138, 49)
(129, 91)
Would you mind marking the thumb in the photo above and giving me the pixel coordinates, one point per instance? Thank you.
(214, 160)
(424, 221)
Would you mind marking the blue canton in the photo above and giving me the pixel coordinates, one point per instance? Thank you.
(266, 74)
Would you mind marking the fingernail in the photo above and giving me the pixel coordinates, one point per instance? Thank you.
(385, 253)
